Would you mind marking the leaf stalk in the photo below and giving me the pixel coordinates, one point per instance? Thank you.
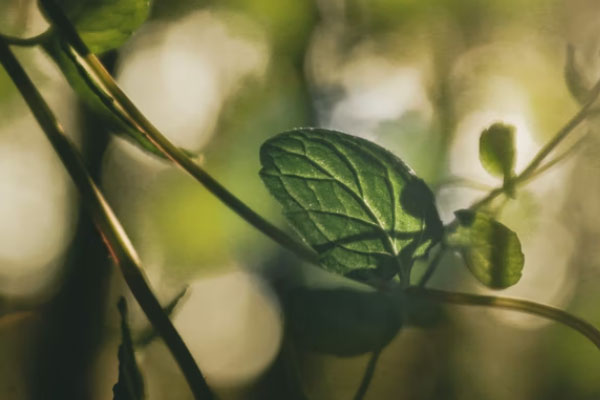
(541, 155)
(529, 307)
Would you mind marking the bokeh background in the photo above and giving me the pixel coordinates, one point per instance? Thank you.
(420, 77)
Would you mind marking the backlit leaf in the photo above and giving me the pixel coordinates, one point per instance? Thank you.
(491, 251)
(497, 150)
(358, 205)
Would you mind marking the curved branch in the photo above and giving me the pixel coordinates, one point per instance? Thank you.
(25, 42)
(113, 234)
(368, 375)
(529, 307)
(124, 107)
(541, 155)
(431, 268)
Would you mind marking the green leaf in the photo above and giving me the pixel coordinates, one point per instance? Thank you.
(491, 251)
(359, 206)
(497, 150)
(105, 24)
(576, 82)
(130, 385)
(343, 322)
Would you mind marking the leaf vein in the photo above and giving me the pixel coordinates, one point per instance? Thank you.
(357, 197)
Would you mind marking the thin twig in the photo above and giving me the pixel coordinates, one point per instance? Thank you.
(535, 162)
(24, 42)
(108, 225)
(368, 376)
(559, 158)
(431, 268)
(529, 307)
(125, 108)
(464, 182)
(561, 134)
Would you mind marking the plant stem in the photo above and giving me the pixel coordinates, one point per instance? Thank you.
(464, 182)
(368, 376)
(24, 42)
(431, 268)
(124, 107)
(559, 158)
(533, 169)
(145, 337)
(562, 133)
(106, 222)
(529, 307)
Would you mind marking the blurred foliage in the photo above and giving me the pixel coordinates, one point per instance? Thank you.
(479, 61)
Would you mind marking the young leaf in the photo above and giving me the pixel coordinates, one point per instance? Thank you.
(343, 322)
(497, 150)
(491, 251)
(130, 385)
(359, 206)
(105, 24)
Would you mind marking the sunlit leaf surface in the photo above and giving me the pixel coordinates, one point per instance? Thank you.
(359, 206)
(497, 150)
(491, 251)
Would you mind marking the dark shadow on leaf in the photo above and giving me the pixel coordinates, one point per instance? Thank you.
(322, 248)
(499, 254)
